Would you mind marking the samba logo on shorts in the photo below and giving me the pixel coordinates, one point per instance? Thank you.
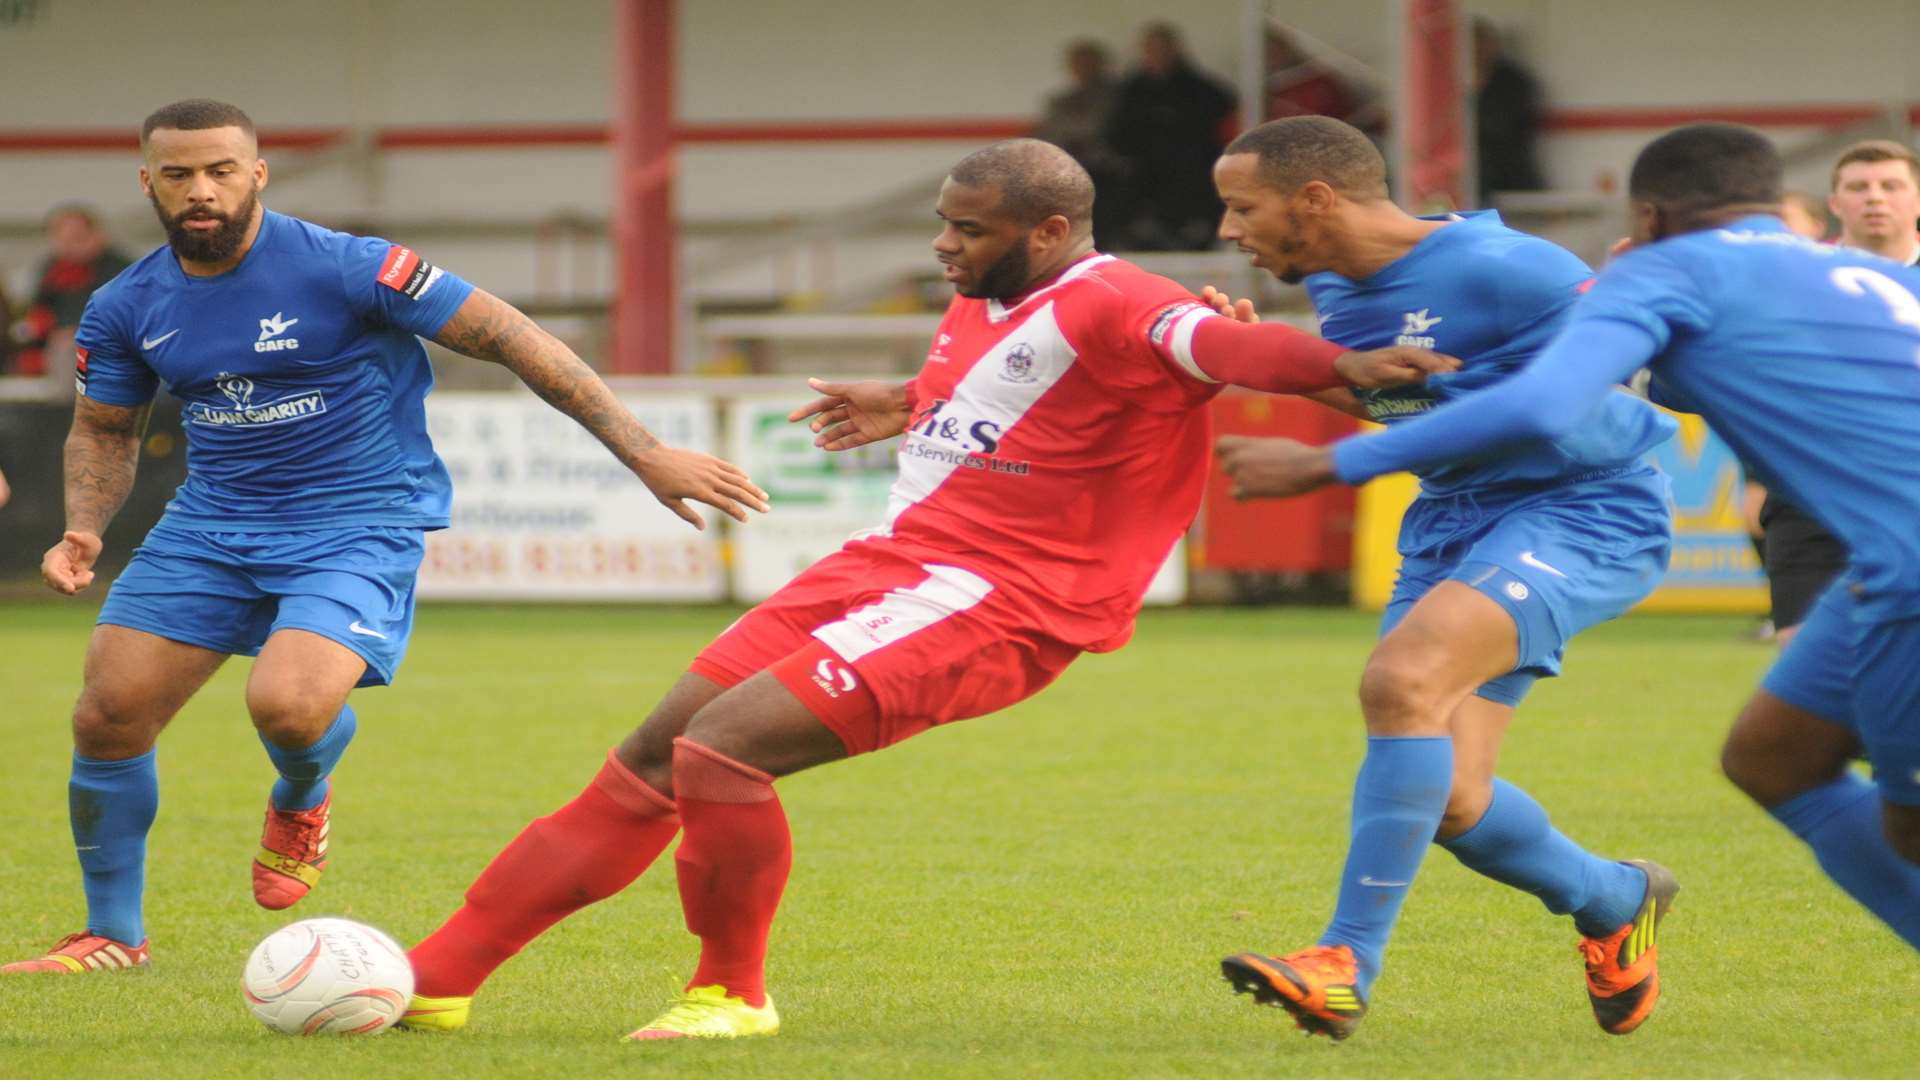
(826, 674)
(239, 390)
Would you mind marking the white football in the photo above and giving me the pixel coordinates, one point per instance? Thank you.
(328, 975)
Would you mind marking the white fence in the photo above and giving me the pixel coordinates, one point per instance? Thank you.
(542, 511)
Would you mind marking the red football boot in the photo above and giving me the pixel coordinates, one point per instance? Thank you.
(293, 852)
(77, 954)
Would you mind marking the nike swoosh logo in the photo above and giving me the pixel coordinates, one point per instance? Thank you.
(1527, 557)
(150, 343)
(1378, 884)
(88, 847)
(358, 629)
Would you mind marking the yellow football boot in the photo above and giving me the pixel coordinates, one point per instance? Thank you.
(709, 1012)
(436, 1013)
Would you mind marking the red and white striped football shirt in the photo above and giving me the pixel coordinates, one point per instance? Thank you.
(1059, 445)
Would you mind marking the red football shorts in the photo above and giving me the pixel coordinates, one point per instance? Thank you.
(881, 646)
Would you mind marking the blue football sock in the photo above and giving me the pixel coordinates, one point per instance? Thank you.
(1514, 844)
(1398, 800)
(303, 773)
(111, 805)
(1841, 823)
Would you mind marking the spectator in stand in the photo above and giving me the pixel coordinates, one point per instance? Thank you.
(1170, 122)
(1805, 214)
(79, 260)
(1300, 85)
(1875, 197)
(1506, 106)
(1077, 121)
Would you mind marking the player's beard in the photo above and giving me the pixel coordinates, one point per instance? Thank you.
(1006, 278)
(213, 245)
(1289, 250)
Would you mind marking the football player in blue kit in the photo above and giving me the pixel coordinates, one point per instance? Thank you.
(298, 531)
(1505, 558)
(1805, 358)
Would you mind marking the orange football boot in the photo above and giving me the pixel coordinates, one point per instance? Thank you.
(293, 852)
(77, 954)
(1623, 976)
(1319, 986)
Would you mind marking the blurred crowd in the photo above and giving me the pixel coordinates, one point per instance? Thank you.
(80, 257)
(1149, 136)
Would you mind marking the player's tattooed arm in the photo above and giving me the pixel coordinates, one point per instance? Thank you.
(488, 328)
(103, 450)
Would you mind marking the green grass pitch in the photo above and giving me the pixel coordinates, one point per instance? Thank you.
(1041, 893)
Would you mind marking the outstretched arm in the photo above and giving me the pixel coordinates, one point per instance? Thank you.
(855, 414)
(102, 452)
(1546, 400)
(488, 328)
(1236, 347)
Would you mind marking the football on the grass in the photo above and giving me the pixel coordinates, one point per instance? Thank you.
(328, 976)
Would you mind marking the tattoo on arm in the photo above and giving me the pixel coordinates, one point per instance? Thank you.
(488, 328)
(103, 450)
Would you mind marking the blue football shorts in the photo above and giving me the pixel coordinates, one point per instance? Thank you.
(1863, 674)
(229, 591)
(1558, 559)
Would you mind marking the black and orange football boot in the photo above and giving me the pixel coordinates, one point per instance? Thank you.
(1319, 986)
(1623, 973)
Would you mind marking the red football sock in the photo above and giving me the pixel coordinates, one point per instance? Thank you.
(581, 853)
(733, 864)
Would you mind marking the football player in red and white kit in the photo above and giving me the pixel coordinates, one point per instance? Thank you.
(1055, 448)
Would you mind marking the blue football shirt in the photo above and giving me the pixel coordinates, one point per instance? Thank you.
(1493, 297)
(1805, 358)
(302, 379)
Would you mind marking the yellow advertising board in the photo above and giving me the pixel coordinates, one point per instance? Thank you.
(1713, 568)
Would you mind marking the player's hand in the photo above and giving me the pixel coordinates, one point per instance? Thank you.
(1395, 365)
(675, 476)
(854, 414)
(5, 491)
(1273, 468)
(1237, 310)
(68, 565)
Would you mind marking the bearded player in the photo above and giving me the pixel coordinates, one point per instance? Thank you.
(1055, 449)
(310, 483)
(1506, 557)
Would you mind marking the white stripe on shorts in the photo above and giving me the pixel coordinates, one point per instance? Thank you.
(947, 591)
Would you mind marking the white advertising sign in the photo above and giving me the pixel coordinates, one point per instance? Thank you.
(542, 511)
(819, 499)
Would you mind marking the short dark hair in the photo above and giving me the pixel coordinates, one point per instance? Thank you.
(196, 114)
(1704, 166)
(1875, 150)
(1036, 180)
(1299, 149)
